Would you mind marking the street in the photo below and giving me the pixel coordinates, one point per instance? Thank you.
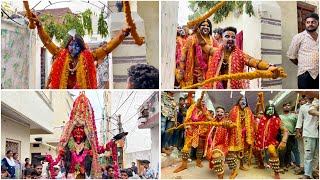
(194, 172)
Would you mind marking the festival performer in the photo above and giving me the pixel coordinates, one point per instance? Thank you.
(217, 144)
(78, 149)
(266, 139)
(240, 139)
(229, 59)
(180, 41)
(74, 66)
(194, 62)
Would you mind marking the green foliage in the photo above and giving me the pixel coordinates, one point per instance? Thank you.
(82, 23)
(202, 7)
(87, 22)
(102, 26)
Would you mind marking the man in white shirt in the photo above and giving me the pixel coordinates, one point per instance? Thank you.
(304, 52)
(307, 127)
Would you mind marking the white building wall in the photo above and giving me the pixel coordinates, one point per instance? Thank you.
(17, 132)
(30, 104)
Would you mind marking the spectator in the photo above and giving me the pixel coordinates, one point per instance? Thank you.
(134, 168)
(126, 173)
(28, 173)
(26, 165)
(314, 111)
(57, 173)
(147, 172)
(304, 52)
(4, 172)
(103, 71)
(218, 35)
(143, 76)
(119, 5)
(307, 128)
(18, 169)
(179, 133)
(38, 171)
(109, 172)
(289, 120)
(8, 161)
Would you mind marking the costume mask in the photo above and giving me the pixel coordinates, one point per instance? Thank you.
(78, 133)
(243, 102)
(229, 40)
(205, 28)
(270, 111)
(74, 48)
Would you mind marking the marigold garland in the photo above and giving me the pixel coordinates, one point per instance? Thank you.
(238, 76)
(206, 16)
(86, 72)
(210, 123)
(137, 39)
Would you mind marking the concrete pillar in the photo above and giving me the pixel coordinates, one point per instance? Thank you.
(127, 53)
(169, 22)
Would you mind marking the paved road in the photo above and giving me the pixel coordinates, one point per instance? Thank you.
(194, 172)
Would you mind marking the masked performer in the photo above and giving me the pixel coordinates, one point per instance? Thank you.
(217, 144)
(74, 66)
(195, 134)
(229, 59)
(78, 148)
(241, 139)
(266, 139)
(194, 61)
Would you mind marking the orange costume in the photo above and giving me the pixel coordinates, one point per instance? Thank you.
(195, 134)
(217, 141)
(194, 60)
(241, 139)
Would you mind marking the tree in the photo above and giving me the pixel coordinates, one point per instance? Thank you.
(201, 7)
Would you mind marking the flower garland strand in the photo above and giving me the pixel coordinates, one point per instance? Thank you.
(126, 8)
(206, 16)
(113, 147)
(238, 76)
(52, 163)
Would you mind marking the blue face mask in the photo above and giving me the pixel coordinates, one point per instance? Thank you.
(74, 48)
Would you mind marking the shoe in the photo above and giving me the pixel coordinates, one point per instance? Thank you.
(304, 177)
(300, 172)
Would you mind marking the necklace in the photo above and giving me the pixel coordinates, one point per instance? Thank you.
(79, 147)
(75, 67)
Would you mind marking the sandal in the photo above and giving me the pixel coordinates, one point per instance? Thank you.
(304, 177)
(281, 171)
(299, 172)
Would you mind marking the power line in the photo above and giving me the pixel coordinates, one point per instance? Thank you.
(130, 105)
(122, 103)
(119, 100)
(131, 117)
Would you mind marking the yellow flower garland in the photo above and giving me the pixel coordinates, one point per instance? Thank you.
(238, 76)
(81, 75)
(210, 123)
(206, 16)
(137, 39)
(65, 74)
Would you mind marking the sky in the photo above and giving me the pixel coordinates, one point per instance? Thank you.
(74, 5)
(183, 13)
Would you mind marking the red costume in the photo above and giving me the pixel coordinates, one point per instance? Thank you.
(267, 132)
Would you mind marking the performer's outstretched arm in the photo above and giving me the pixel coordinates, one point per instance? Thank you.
(284, 140)
(110, 46)
(45, 38)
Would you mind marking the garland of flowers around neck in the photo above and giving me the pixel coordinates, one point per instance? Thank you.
(76, 159)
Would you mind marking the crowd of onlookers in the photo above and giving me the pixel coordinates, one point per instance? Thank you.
(11, 168)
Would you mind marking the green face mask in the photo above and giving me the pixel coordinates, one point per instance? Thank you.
(270, 111)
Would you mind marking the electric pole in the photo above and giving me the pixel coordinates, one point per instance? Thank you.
(120, 149)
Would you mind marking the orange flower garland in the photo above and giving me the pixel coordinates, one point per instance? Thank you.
(86, 72)
(238, 76)
(206, 16)
(126, 8)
